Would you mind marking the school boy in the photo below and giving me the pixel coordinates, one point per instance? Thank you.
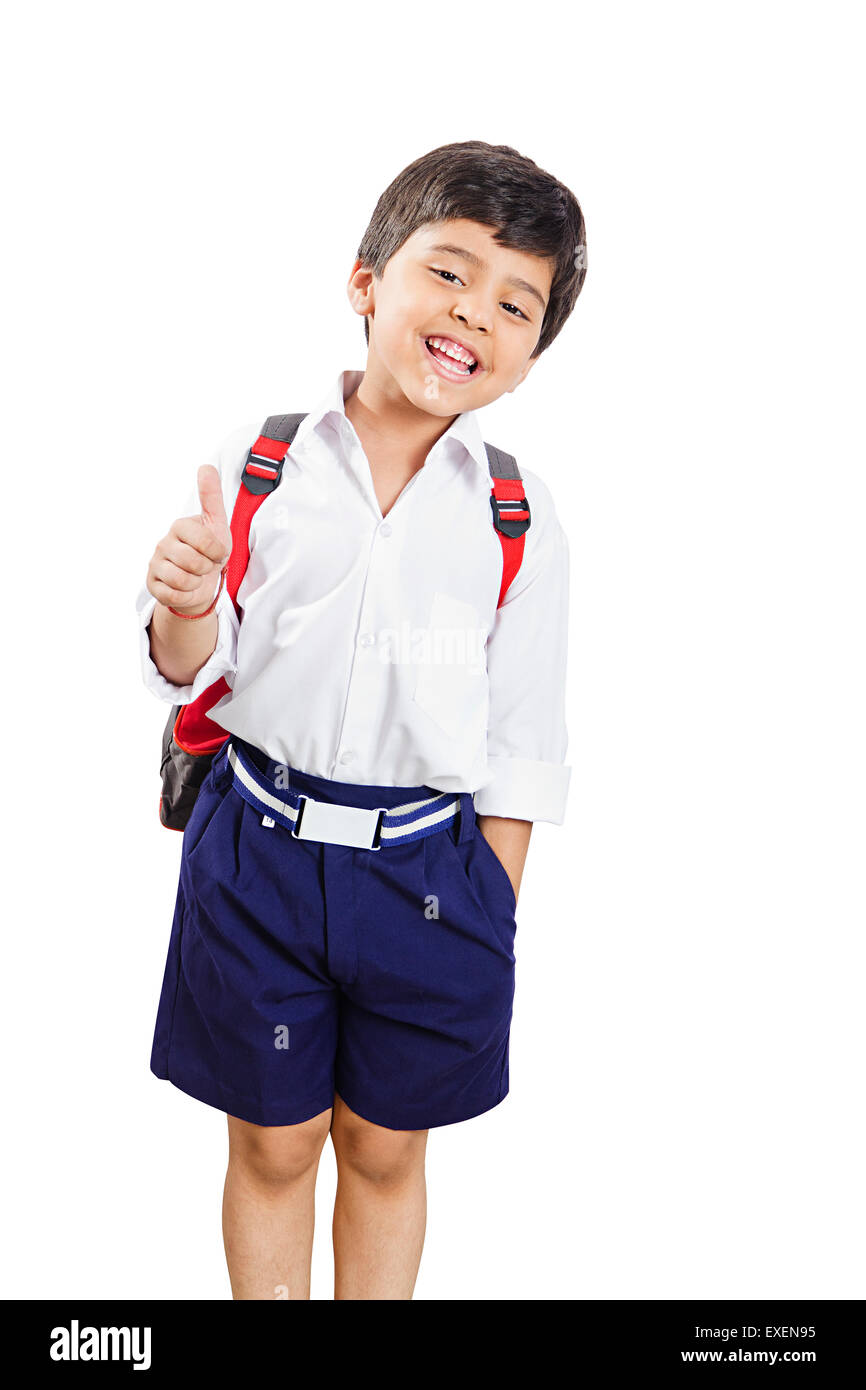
(341, 956)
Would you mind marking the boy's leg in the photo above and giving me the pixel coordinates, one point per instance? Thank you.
(381, 1207)
(268, 1206)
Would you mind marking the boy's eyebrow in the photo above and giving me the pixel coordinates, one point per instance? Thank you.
(480, 264)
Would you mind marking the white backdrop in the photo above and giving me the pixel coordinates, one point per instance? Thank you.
(186, 185)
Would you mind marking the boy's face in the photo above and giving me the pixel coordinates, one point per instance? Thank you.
(475, 294)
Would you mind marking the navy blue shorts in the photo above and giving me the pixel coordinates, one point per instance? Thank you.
(299, 969)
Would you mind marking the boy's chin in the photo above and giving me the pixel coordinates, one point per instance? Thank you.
(431, 393)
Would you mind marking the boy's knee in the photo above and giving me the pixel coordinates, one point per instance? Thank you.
(277, 1155)
(380, 1156)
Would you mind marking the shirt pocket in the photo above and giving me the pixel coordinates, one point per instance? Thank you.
(451, 679)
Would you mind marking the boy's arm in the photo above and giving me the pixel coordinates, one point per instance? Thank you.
(181, 659)
(527, 653)
(179, 648)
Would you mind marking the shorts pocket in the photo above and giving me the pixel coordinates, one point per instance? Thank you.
(489, 886)
(207, 803)
(498, 868)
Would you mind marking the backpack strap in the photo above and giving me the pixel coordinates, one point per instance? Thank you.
(511, 515)
(261, 474)
(193, 731)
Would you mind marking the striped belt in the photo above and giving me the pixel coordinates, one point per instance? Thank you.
(360, 826)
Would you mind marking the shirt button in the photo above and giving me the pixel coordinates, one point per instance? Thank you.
(367, 639)
(385, 529)
(347, 757)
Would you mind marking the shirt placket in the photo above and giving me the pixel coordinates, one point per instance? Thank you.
(381, 579)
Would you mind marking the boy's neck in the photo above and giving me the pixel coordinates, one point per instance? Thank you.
(389, 425)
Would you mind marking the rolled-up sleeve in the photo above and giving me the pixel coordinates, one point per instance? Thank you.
(527, 654)
(228, 460)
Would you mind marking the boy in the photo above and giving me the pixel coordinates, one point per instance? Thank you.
(328, 978)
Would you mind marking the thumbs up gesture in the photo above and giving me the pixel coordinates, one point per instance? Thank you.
(185, 567)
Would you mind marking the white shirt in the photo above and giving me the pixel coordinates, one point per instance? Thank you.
(371, 650)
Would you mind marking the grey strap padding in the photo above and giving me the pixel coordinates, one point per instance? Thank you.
(282, 427)
(501, 465)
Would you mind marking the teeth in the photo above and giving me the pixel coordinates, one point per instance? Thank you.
(451, 350)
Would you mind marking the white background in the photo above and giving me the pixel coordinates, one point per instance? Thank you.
(185, 187)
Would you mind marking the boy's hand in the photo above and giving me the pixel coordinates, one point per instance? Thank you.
(184, 569)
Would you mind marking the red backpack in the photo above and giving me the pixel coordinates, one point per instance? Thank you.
(191, 740)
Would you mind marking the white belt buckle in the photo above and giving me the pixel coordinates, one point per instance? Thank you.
(337, 825)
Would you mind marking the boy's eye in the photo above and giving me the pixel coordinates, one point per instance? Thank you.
(460, 282)
(446, 272)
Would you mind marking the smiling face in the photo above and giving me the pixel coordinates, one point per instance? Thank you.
(454, 318)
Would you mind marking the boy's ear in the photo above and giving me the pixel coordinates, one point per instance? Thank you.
(360, 289)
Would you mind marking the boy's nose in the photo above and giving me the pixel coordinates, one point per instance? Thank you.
(475, 318)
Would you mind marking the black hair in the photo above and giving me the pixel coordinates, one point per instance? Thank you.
(497, 187)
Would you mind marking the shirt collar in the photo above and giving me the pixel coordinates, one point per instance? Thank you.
(464, 432)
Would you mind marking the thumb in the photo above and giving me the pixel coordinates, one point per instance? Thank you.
(210, 495)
